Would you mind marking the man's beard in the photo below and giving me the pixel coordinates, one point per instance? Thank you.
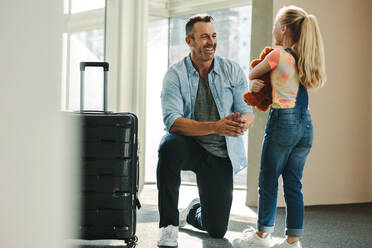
(207, 52)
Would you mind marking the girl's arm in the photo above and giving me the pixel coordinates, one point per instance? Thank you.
(259, 70)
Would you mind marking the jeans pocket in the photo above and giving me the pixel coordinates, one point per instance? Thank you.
(286, 135)
(288, 123)
(309, 134)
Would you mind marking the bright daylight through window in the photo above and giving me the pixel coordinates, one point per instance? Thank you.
(83, 41)
(233, 27)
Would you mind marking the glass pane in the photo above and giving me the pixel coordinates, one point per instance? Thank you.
(64, 72)
(85, 5)
(157, 65)
(233, 27)
(66, 6)
(86, 46)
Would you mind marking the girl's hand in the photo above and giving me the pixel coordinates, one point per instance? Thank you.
(245, 120)
(257, 85)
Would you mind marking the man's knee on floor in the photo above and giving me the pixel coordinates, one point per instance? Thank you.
(216, 231)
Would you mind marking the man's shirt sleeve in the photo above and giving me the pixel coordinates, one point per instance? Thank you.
(240, 87)
(171, 99)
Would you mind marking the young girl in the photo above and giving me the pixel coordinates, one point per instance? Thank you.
(295, 67)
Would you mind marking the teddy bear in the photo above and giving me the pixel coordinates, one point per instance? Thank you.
(262, 99)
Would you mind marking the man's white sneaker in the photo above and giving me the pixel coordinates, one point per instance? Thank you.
(185, 212)
(169, 236)
(251, 239)
(285, 244)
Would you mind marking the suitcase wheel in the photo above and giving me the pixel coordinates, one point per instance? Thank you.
(132, 242)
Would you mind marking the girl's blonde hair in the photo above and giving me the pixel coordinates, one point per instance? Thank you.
(308, 42)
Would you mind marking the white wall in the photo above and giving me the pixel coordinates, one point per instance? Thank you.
(370, 82)
(338, 168)
(35, 170)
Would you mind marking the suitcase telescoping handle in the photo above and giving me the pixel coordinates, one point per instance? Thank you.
(105, 67)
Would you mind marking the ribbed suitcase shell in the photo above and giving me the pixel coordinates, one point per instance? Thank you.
(109, 175)
(109, 169)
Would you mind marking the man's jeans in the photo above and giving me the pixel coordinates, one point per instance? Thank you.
(214, 179)
(287, 142)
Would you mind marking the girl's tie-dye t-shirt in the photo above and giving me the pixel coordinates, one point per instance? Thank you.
(284, 78)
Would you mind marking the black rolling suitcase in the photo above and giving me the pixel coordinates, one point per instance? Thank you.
(109, 170)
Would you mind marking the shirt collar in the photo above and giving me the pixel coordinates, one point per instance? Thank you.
(216, 65)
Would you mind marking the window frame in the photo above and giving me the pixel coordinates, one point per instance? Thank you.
(75, 23)
(177, 8)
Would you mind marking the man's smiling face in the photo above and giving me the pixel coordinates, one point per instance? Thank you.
(203, 41)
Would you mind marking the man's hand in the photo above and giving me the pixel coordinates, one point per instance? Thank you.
(229, 127)
(246, 120)
(232, 125)
(257, 85)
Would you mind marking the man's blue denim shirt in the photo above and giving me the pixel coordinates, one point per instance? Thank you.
(227, 82)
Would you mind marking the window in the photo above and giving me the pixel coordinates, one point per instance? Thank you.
(157, 65)
(83, 40)
(233, 27)
(84, 5)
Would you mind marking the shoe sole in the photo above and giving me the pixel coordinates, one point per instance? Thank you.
(185, 212)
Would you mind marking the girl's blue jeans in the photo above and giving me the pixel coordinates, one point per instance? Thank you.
(287, 142)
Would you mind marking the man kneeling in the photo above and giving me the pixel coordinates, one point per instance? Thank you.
(206, 116)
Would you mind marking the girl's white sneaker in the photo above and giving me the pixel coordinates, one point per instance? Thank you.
(285, 244)
(251, 239)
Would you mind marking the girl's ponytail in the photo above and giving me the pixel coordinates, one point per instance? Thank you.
(311, 63)
(307, 41)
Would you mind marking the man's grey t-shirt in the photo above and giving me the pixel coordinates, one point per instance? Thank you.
(206, 110)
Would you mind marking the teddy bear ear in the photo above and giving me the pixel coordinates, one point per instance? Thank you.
(268, 49)
(250, 98)
(265, 52)
(255, 62)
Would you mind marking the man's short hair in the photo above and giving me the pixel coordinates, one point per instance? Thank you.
(194, 19)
